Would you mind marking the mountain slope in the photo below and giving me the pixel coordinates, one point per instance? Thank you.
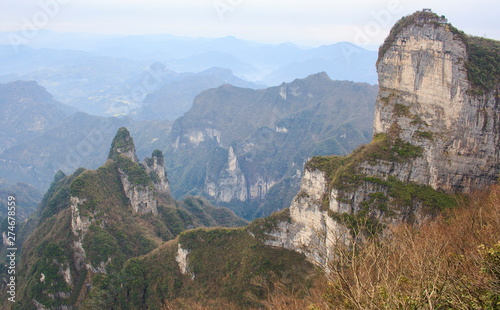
(28, 110)
(27, 197)
(173, 99)
(92, 221)
(235, 144)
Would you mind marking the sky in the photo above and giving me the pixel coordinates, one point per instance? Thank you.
(305, 22)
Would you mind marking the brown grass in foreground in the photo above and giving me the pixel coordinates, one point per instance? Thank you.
(450, 262)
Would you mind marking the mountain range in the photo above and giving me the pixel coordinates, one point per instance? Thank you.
(312, 116)
(406, 221)
(245, 148)
(74, 74)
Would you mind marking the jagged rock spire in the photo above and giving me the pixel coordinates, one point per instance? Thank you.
(123, 144)
(156, 170)
(136, 178)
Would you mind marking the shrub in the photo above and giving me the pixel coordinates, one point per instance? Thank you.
(451, 262)
(136, 173)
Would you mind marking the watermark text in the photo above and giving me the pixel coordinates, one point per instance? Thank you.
(10, 237)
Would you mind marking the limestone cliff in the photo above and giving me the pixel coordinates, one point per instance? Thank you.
(426, 95)
(141, 182)
(436, 133)
(230, 184)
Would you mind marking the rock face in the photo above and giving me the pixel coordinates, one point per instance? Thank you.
(231, 183)
(141, 182)
(425, 92)
(312, 230)
(155, 167)
(436, 133)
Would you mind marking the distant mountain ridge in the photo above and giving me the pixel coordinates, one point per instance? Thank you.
(27, 111)
(246, 148)
(102, 78)
(172, 99)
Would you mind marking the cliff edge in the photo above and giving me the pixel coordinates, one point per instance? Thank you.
(436, 135)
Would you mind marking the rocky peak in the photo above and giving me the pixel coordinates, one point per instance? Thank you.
(123, 145)
(155, 167)
(141, 182)
(429, 98)
(436, 133)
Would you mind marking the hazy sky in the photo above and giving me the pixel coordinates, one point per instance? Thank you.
(311, 22)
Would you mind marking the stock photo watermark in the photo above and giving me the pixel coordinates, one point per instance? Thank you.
(9, 239)
(92, 141)
(151, 81)
(47, 11)
(222, 7)
(380, 20)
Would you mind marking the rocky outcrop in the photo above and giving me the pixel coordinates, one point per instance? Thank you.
(155, 167)
(436, 133)
(233, 184)
(141, 182)
(426, 95)
(311, 231)
(141, 197)
(230, 183)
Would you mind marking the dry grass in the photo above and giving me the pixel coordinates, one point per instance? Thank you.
(451, 262)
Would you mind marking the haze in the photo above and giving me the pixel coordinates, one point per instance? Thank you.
(310, 23)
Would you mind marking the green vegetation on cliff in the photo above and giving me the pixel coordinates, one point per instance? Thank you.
(135, 172)
(483, 66)
(227, 265)
(341, 170)
(122, 143)
(392, 197)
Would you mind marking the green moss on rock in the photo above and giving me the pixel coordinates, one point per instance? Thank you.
(135, 172)
(122, 143)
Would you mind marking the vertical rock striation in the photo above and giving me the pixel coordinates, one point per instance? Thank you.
(230, 183)
(426, 94)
